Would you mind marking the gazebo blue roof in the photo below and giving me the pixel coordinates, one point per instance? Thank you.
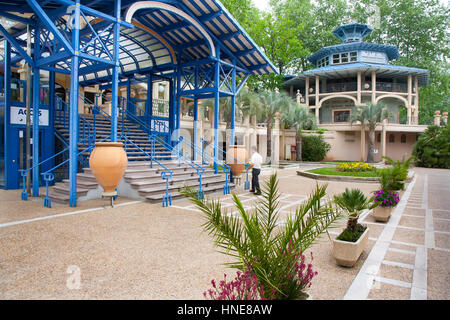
(391, 51)
(350, 69)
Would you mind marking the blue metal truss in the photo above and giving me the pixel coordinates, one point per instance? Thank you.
(195, 45)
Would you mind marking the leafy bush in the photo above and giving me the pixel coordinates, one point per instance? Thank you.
(386, 198)
(432, 149)
(314, 148)
(354, 167)
(391, 178)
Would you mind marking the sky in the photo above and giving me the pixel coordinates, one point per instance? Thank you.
(261, 4)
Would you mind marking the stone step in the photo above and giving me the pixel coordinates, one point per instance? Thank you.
(161, 189)
(83, 183)
(150, 184)
(64, 189)
(177, 195)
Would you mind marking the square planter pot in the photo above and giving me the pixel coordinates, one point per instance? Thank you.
(382, 214)
(347, 253)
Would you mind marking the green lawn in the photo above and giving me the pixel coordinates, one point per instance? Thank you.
(331, 171)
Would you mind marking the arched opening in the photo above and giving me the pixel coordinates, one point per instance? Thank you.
(336, 109)
(397, 107)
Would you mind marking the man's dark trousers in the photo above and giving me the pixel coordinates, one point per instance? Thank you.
(255, 180)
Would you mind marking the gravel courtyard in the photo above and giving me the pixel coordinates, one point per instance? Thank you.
(139, 250)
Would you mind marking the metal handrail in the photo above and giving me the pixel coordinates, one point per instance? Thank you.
(246, 165)
(166, 174)
(225, 167)
(49, 176)
(199, 169)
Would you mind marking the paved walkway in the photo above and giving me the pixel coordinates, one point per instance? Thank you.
(139, 250)
(411, 256)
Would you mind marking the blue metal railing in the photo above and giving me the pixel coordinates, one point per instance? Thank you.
(224, 166)
(166, 174)
(181, 158)
(246, 165)
(49, 174)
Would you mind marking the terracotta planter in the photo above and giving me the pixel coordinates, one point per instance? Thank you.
(347, 253)
(237, 152)
(108, 162)
(382, 213)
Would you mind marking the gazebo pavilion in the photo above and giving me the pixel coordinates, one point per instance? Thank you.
(197, 46)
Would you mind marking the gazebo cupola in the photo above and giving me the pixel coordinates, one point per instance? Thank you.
(354, 32)
(353, 49)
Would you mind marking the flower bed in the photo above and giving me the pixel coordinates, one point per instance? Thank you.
(354, 167)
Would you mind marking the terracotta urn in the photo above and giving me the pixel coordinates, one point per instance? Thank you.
(382, 214)
(240, 153)
(347, 253)
(108, 162)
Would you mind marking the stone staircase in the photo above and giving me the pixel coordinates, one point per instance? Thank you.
(146, 181)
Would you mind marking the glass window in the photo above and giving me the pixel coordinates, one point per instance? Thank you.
(336, 59)
(344, 57)
(341, 115)
(403, 138)
(353, 56)
(392, 138)
(161, 91)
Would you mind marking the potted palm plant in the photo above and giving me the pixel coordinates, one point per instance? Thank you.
(348, 246)
(258, 243)
(399, 173)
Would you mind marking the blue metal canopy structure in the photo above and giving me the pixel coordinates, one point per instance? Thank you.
(196, 45)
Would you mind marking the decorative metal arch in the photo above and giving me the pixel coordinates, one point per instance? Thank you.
(163, 6)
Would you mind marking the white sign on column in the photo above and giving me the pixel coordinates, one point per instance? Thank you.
(19, 116)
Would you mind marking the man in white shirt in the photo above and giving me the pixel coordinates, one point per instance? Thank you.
(255, 164)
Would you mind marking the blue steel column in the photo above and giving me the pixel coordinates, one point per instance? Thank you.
(233, 105)
(195, 129)
(73, 109)
(216, 109)
(115, 73)
(129, 96)
(51, 93)
(35, 171)
(7, 98)
(178, 103)
(149, 102)
(171, 110)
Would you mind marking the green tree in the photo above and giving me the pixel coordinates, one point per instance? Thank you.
(432, 149)
(273, 102)
(370, 115)
(250, 105)
(420, 30)
(301, 119)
